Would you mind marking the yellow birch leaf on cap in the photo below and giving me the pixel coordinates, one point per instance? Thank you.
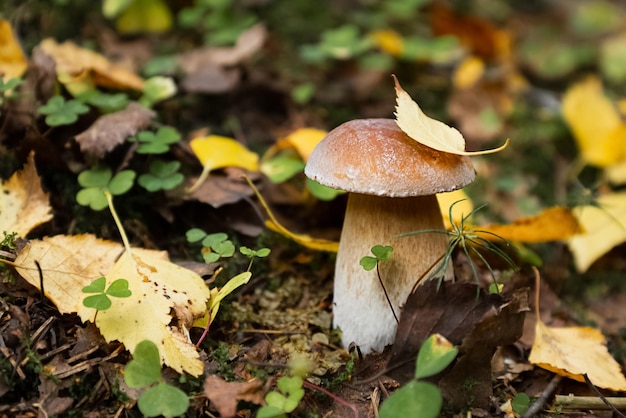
(595, 122)
(304, 140)
(80, 69)
(13, 63)
(574, 351)
(23, 203)
(428, 131)
(218, 152)
(604, 226)
(552, 224)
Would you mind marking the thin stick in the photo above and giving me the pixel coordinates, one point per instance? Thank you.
(333, 396)
(601, 396)
(589, 402)
(380, 280)
(541, 400)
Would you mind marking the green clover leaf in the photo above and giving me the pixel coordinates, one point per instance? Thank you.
(60, 112)
(99, 179)
(156, 143)
(101, 300)
(162, 176)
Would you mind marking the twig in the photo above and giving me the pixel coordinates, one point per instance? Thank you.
(545, 395)
(333, 396)
(601, 396)
(589, 402)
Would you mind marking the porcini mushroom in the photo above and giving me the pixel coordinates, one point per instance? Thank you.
(392, 180)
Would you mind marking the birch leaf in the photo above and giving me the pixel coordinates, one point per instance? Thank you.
(428, 131)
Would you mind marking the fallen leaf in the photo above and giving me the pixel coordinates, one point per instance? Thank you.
(304, 140)
(389, 41)
(468, 72)
(595, 122)
(476, 322)
(13, 62)
(111, 130)
(225, 395)
(158, 288)
(463, 206)
(302, 239)
(430, 132)
(144, 16)
(553, 224)
(80, 69)
(23, 203)
(219, 190)
(574, 351)
(604, 226)
(216, 152)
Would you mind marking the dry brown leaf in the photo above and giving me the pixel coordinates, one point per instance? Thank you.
(80, 69)
(109, 131)
(552, 224)
(13, 63)
(575, 351)
(23, 203)
(225, 395)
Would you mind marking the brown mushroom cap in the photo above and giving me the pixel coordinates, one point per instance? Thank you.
(374, 156)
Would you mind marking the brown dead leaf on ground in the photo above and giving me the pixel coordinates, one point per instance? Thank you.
(225, 395)
(477, 326)
(210, 70)
(219, 190)
(23, 203)
(111, 130)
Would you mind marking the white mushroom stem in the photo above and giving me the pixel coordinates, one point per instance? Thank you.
(360, 307)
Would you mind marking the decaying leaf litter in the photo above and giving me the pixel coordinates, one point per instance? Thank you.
(155, 115)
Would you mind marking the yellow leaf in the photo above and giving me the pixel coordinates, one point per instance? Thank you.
(80, 69)
(302, 239)
(218, 152)
(389, 41)
(430, 132)
(23, 204)
(463, 206)
(574, 351)
(595, 122)
(552, 224)
(604, 226)
(152, 16)
(13, 63)
(617, 173)
(304, 140)
(468, 72)
(159, 289)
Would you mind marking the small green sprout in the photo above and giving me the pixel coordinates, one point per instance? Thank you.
(156, 143)
(101, 300)
(215, 245)
(417, 398)
(162, 176)
(285, 400)
(159, 398)
(60, 112)
(8, 240)
(381, 253)
(251, 254)
(99, 179)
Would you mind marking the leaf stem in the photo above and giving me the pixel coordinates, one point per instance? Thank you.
(118, 223)
(206, 169)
